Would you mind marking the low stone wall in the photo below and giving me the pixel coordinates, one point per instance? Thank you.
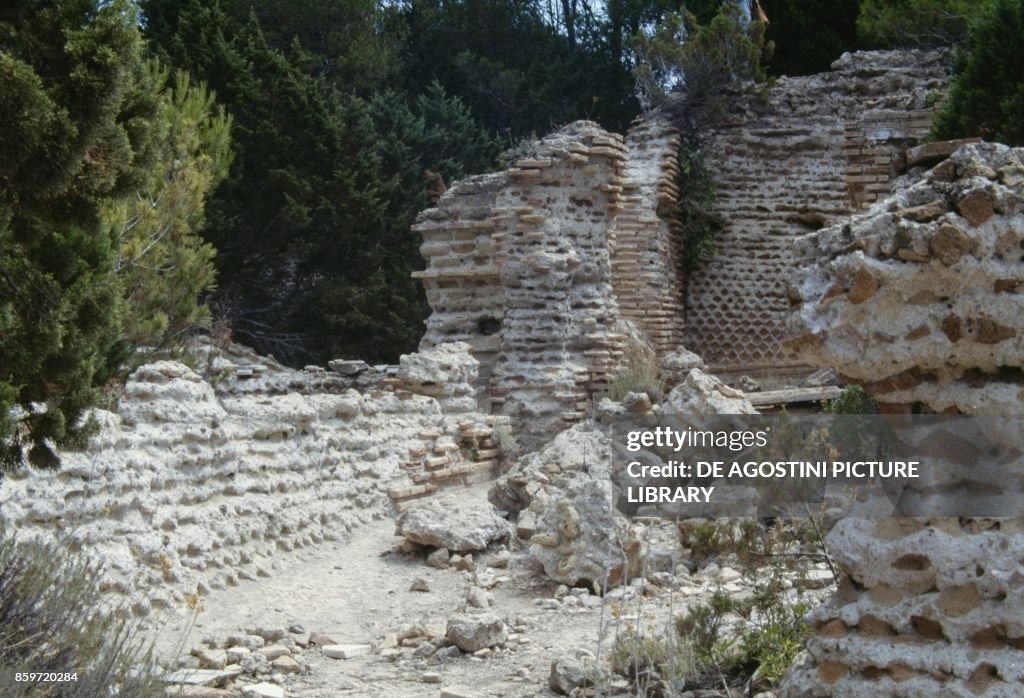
(920, 300)
(187, 489)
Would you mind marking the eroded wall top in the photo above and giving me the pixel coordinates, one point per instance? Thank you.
(810, 151)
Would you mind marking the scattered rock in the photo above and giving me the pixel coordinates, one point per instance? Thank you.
(286, 665)
(345, 651)
(822, 378)
(749, 385)
(272, 652)
(269, 634)
(675, 367)
(472, 632)
(211, 659)
(438, 558)
(419, 584)
(201, 677)
(321, 639)
(459, 691)
(568, 674)
(702, 393)
(637, 403)
(348, 367)
(462, 528)
(465, 563)
(263, 690)
(478, 598)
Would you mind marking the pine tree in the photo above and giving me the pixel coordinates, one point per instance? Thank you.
(916, 23)
(312, 225)
(987, 95)
(76, 116)
(163, 263)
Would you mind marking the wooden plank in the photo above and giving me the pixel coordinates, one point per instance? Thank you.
(789, 395)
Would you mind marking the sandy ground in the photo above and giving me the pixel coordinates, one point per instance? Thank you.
(358, 592)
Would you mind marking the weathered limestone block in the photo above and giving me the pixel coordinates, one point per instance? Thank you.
(918, 309)
(927, 606)
(457, 528)
(447, 372)
(566, 493)
(702, 393)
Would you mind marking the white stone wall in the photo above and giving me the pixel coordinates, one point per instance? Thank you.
(184, 491)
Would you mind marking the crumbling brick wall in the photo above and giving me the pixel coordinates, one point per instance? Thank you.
(814, 150)
(538, 266)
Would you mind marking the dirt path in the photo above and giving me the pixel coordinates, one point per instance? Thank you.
(358, 592)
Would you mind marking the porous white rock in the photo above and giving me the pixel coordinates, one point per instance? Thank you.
(471, 632)
(462, 528)
(703, 393)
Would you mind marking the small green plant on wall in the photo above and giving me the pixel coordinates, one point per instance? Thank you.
(699, 225)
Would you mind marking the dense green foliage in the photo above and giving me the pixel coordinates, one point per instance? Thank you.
(312, 224)
(76, 118)
(706, 63)
(810, 34)
(162, 262)
(891, 23)
(987, 95)
(49, 623)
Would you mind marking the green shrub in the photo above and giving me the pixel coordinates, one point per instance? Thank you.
(50, 621)
(653, 661)
(699, 225)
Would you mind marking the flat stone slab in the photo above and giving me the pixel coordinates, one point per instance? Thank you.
(201, 677)
(348, 367)
(931, 153)
(782, 397)
(263, 690)
(345, 651)
(459, 691)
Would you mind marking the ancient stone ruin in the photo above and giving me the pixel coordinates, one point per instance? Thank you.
(544, 279)
(537, 267)
(191, 487)
(919, 300)
(809, 152)
(549, 268)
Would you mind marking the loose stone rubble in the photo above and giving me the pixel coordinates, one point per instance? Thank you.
(566, 505)
(461, 528)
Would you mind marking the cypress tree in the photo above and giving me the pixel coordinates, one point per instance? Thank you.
(76, 116)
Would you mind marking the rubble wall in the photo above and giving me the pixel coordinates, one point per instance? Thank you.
(537, 267)
(796, 159)
(187, 489)
(920, 300)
